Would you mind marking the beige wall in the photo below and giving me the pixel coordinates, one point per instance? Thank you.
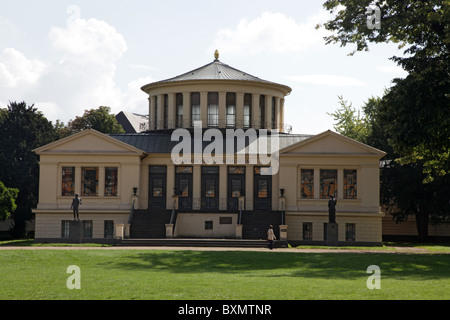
(193, 225)
(48, 225)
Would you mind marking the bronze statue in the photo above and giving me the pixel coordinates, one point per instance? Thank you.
(332, 209)
(76, 202)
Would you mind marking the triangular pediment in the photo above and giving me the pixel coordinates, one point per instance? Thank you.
(331, 143)
(88, 142)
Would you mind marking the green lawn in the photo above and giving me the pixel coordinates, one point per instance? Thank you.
(212, 275)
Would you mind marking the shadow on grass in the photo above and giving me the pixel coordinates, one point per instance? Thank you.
(307, 265)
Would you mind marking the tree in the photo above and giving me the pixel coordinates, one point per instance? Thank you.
(8, 198)
(416, 108)
(23, 129)
(349, 121)
(413, 116)
(98, 119)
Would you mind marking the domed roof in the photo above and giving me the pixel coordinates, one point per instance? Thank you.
(215, 70)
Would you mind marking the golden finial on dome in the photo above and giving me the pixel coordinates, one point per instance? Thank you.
(216, 54)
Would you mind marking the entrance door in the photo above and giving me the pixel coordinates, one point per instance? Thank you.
(262, 190)
(236, 187)
(210, 188)
(157, 187)
(183, 186)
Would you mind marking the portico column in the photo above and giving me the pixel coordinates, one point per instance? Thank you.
(281, 118)
(160, 111)
(196, 187)
(255, 112)
(276, 125)
(268, 118)
(170, 185)
(239, 110)
(151, 102)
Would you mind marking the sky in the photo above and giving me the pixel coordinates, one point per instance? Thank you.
(68, 56)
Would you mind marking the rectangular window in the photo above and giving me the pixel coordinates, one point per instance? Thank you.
(210, 188)
(225, 220)
(307, 183)
(350, 231)
(328, 183)
(236, 170)
(262, 111)
(157, 190)
(350, 184)
(109, 229)
(307, 231)
(195, 107)
(87, 228)
(111, 181)
(68, 181)
(208, 225)
(179, 110)
(89, 181)
(65, 227)
(184, 187)
(213, 109)
(236, 188)
(231, 109)
(247, 110)
(262, 188)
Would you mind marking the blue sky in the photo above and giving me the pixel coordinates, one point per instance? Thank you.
(68, 56)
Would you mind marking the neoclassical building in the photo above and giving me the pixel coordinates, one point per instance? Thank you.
(218, 161)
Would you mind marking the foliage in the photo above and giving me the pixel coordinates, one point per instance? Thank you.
(349, 121)
(416, 110)
(23, 129)
(99, 119)
(8, 198)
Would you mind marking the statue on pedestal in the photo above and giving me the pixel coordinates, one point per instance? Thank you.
(76, 202)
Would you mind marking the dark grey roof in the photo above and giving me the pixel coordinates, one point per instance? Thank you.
(160, 141)
(215, 70)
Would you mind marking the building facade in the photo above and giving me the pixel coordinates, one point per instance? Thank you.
(218, 161)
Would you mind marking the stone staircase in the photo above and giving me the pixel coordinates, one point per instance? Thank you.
(222, 243)
(149, 224)
(256, 223)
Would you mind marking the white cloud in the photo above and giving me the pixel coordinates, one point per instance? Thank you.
(17, 70)
(80, 77)
(327, 80)
(273, 32)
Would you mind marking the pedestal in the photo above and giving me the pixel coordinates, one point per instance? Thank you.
(239, 231)
(120, 231)
(126, 231)
(332, 234)
(283, 232)
(169, 231)
(75, 231)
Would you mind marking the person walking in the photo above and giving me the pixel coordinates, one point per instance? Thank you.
(270, 237)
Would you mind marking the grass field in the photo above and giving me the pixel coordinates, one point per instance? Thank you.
(220, 275)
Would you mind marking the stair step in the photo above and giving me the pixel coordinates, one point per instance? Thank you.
(201, 243)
